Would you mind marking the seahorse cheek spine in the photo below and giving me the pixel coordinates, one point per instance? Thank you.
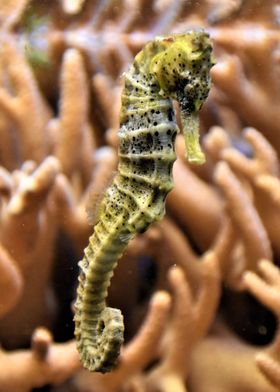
(137, 196)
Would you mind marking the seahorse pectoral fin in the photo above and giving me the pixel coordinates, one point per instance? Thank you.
(190, 125)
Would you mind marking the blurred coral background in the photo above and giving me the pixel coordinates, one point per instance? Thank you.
(200, 291)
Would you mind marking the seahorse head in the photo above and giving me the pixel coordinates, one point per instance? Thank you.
(182, 67)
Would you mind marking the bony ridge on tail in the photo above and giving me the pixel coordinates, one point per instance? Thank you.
(175, 67)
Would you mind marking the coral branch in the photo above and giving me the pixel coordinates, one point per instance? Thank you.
(45, 363)
(72, 6)
(244, 75)
(23, 102)
(191, 318)
(187, 204)
(11, 282)
(270, 368)
(270, 185)
(73, 113)
(266, 288)
(264, 159)
(245, 218)
(33, 189)
(11, 12)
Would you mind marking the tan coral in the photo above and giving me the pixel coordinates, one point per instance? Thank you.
(246, 221)
(242, 72)
(188, 202)
(11, 282)
(72, 7)
(257, 58)
(215, 142)
(264, 160)
(11, 12)
(267, 189)
(227, 364)
(23, 103)
(105, 92)
(27, 232)
(45, 363)
(263, 164)
(266, 287)
(187, 326)
(77, 212)
(7, 149)
(73, 139)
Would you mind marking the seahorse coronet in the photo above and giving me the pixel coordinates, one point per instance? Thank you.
(168, 68)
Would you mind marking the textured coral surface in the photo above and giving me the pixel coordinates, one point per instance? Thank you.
(200, 291)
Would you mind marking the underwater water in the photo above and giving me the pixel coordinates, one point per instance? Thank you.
(97, 100)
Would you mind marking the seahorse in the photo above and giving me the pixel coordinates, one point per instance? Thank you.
(175, 67)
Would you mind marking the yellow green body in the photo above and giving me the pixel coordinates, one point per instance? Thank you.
(168, 68)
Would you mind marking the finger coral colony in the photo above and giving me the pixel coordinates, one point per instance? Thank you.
(199, 290)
